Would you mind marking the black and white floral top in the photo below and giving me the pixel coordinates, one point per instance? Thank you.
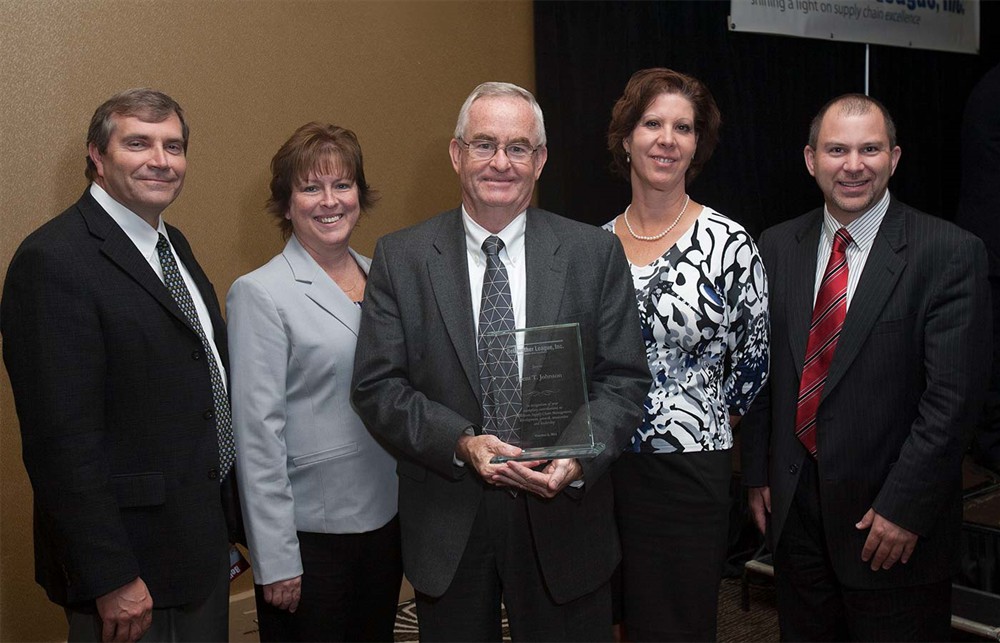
(703, 307)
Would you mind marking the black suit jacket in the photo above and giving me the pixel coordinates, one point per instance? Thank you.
(114, 401)
(417, 384)
(902, 396)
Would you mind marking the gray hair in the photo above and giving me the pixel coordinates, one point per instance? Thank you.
(492, 89)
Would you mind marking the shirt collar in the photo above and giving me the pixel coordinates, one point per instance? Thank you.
(512, 236)
(134, 226)
(864, 228)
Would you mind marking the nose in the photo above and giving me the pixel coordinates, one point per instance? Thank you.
(666, 137)
(853, 162)
(329, 197)
(159, 157)
(500, 162)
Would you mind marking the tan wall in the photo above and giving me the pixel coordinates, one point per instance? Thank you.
(247, 73)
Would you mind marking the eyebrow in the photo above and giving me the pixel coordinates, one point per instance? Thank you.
(493, 139)
(147, 137)
(875, 143)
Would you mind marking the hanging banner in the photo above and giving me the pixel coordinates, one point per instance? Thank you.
(945, 25)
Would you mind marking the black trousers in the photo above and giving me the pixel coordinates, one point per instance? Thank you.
(673, 517)
(814, 606)
(350, 589)
(500, 563)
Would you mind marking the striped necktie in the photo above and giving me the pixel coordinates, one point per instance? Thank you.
(828, 316)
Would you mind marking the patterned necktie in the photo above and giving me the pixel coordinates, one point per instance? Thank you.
(498, 375)
(223, 419)
(828, 316)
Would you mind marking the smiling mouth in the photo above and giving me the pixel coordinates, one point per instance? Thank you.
(664, 159)
(331, 219)
(853, 184)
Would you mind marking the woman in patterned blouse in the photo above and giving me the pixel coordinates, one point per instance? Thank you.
(702, 298)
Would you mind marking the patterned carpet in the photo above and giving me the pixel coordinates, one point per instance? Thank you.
(735, 625)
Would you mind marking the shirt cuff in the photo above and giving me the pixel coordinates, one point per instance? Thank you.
(468, 431)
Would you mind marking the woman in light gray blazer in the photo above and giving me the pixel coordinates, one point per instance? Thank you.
(318, 492)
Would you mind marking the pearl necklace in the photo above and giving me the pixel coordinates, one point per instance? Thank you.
(656, 237)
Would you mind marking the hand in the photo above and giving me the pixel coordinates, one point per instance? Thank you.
(477, 451)
(760, 505)
(887, 542)
(284, 594)
(126, 613)
(546, 483)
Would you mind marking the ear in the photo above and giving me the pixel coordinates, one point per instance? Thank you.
(894, 158)
(95, 157)
(541, 155)
(627, 144)
(810, 156)
(455, 151)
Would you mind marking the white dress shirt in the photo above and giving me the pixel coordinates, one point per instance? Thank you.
(862, 231)
(144, 237)
(512, 257)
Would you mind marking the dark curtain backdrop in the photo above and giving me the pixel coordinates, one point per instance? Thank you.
(767, 87)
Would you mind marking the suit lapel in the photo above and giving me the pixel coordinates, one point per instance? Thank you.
(801, 284)
(545, 271)
(448, 269)
(320, 288)
(117, 247)
(882, 270)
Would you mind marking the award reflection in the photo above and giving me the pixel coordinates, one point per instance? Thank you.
(554, 416)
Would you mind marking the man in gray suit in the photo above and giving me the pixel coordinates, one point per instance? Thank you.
(543, 539)
(880, 343)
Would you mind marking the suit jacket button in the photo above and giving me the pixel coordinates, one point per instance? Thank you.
(195, 355)
(209, 414)
(213, 474)
(793, 469)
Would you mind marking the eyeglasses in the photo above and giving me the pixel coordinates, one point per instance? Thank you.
(482, 150)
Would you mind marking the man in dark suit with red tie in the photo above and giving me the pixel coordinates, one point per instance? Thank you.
(880, 353)
(116, 350)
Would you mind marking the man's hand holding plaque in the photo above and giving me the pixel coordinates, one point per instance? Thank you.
(547, 482)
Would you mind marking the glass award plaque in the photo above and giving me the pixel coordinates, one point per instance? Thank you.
(553, 420)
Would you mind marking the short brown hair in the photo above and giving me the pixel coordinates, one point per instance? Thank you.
(641, 90)
(852, 105)
(315, 146)
(145, 104)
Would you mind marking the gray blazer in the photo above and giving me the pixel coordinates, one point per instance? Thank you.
(417, 384)
(903, 393)
(306, 461)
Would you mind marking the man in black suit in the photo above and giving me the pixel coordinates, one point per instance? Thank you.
(853, 452)
(119, 384)
(543, 539)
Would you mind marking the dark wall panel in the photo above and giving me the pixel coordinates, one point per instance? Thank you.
(767, 87)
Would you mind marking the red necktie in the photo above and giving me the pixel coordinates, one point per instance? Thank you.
(827, 321)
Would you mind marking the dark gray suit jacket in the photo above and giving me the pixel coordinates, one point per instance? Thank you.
(417, 385)
(903, 393)
(114, 400)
